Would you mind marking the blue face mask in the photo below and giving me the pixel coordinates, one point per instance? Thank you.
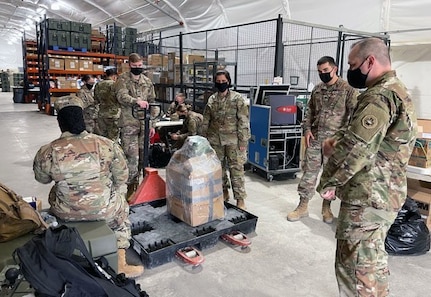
(356, 78)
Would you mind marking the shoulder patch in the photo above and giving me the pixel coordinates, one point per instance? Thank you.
(369, 121)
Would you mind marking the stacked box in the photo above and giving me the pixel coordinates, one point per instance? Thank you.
(57, 64)
(420, 191)
(80, 27)
(190, 59)
(194, 191)
(421, 155)
(157, 60)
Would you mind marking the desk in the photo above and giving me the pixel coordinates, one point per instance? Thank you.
(168, 123)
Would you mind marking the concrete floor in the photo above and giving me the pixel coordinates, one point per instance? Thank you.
(286, 259)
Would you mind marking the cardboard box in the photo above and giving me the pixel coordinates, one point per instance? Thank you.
(194, 186)
(421, 155)
(97, 67)
(71, 64)
(157, 60)
(85, 65)
(57, 64)
(190, 59)
(420, 191)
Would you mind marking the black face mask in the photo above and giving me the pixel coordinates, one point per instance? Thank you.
(221, 87)
(325, 77)
(356, 78)
(89, 86)
(182, 117)
(136, 70)
(176, 103)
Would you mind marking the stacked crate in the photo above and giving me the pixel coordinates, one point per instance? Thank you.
(121, 41)
(68, 34)
(129, 40)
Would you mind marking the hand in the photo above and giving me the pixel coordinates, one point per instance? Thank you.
(174, 136)
(328, 147)
(142, 103)
(152, 132)
(308, 135)
(328, 194)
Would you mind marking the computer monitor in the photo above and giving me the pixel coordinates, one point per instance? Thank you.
(263, 91)
(283, 110)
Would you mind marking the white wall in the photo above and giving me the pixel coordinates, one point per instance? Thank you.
(10, 56)
(413, 66)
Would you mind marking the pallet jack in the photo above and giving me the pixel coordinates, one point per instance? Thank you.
(152, 187)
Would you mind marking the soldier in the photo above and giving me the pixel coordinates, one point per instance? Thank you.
(90, 174)
(133, 88)
(180, 98)
(226, 125)
(191, 126)
(367, 169)
(89, 105)
(329, 109)
(109, 108)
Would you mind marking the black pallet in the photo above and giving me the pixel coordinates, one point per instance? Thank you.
(157, 235)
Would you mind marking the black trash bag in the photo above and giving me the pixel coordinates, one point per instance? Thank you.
(408, 235)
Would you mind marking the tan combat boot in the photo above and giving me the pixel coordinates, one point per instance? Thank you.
(301, 211)
(328, 217)
(240, 204)
(226, 195)
(129, 270)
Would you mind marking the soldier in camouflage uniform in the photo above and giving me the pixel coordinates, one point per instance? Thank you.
(367, 170)
(90, 174)
(226, 125)
(109, 108)
(180, 98)
(329, 109)
(90, 107)
(191, 126)
(133, 88)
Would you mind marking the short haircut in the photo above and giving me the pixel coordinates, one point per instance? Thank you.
(111, 71)
(86, 77)
(373, 46)
(326, 59)
(134, 57)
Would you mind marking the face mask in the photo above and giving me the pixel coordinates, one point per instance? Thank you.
(221, 87)
(325, 77)
(89, 86)
(176, 103)
(136, 70)
(182, 117)
(356, 78)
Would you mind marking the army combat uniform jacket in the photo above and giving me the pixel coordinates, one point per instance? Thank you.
(127, 92)
(329, 109)
(90, 174)
(104, 96)
(368, 166)
(226, 120)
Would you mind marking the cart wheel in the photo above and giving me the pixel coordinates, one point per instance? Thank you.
(253, 169)
(269, 177)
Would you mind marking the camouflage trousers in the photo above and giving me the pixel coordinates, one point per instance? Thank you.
(108, 127)
(132, 143)
(361, 263)
(311, 166)
(115, 214)
(232, 160)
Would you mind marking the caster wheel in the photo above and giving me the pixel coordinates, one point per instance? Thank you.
(269, 177)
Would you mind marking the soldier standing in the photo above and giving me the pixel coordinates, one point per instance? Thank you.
(367, 170)
(226, 125)
(133, 88)
(90, 107)
(109, 107)
(191, 126)
(329, 109)
(90, 174)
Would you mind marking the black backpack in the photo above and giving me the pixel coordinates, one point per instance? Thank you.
(57, 263)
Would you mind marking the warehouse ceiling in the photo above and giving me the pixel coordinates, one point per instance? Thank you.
(407, 21)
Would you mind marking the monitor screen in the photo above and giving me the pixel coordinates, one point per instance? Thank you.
(263, 92)
(283, 110)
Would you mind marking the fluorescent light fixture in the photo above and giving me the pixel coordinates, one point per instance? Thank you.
(55, 6)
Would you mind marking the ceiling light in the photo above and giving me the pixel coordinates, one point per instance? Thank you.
(55, 6)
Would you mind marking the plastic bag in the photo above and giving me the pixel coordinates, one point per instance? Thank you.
(409, 234)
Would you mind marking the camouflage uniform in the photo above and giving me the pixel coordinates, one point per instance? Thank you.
(226, 125)
(328, 111)
(131, 129)
(191, 126)
(109, 109)
(368, 169)
(90, 174)
(90, 109)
